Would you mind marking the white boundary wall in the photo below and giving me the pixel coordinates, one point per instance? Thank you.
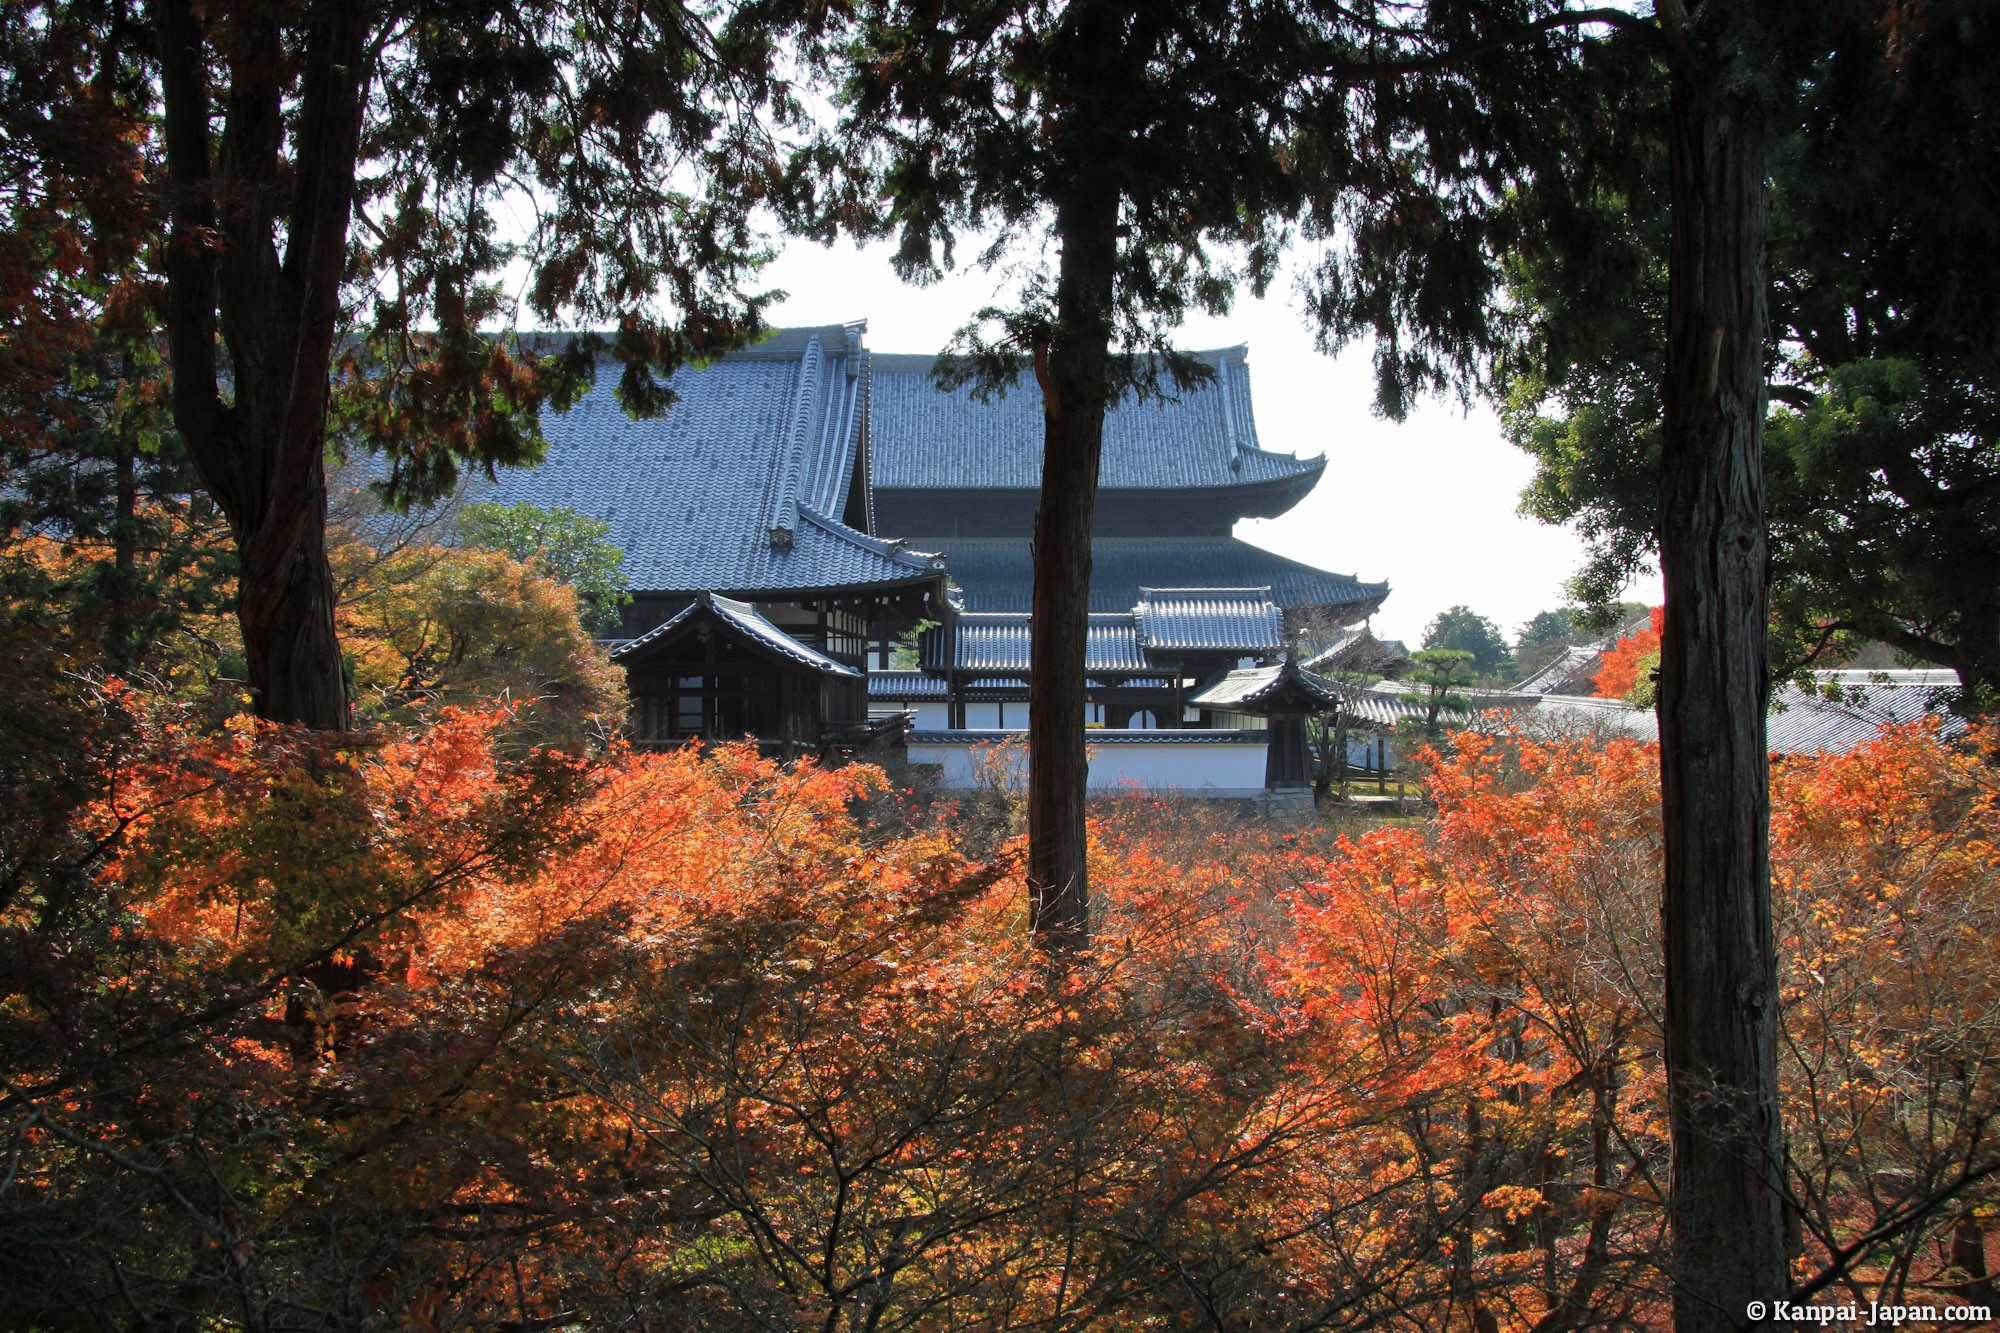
(1220, 763)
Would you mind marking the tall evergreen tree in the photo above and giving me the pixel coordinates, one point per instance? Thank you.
(1883, 481)
(299, 193)
(1693, 488)
(1730, 1239)
(1133, 164)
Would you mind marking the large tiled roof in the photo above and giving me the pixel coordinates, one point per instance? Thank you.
(1800, 721)
(739, 486)
(750, 627)
(997, 573)
(923, 437)
(1803, 723)
(1572, 715)
(1374, 710)
(1207, 619)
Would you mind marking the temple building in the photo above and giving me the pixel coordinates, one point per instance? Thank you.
(824, 547)
(959, 475)
(1174, 597)
(757, 590)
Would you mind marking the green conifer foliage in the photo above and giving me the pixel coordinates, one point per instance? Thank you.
(1128, 166)
(311, 208)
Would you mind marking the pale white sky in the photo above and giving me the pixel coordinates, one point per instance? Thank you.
(1428, 505)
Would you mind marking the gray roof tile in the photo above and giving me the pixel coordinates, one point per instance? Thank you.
(1242, 621)
(998, 644)
(903, 685)
(1256, 689)
(1357, 649)
(1099, 735)
(1802, 723)
(1209, 619)
(738, 486)
(897, 686)
(1569, 672)
(1372, 710)
(997, 573)
(926, 438)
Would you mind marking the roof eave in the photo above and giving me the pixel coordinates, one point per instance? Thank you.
(682, 623)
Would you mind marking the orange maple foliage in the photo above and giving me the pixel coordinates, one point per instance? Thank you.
(1886, 893)
(1627, 664)
(422, 1028)
(1501, 965)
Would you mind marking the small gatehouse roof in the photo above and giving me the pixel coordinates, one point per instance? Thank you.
(1284, 687)
(739, 621)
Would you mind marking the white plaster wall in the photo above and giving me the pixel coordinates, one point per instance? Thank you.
(1361, 753)
(1230, 768)
(1233, 768)
(994, 716)
(930, 717)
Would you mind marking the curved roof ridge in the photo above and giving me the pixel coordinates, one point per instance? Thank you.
(1243, 432)
(784, 516)
(996, 573)
(824, 479)
(1224, 375)
(1239, 351)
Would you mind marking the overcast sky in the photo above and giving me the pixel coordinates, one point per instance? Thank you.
(1428, 505)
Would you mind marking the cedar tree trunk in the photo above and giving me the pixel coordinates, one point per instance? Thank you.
(1727, 1212)
(260, 453)
(1074, 371)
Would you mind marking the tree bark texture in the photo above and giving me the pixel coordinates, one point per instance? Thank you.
(1075, 373)
(260, 451)
(1727, 1210)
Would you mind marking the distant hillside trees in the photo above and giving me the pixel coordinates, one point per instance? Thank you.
(1461, 629)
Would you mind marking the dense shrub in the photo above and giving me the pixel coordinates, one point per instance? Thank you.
(424, 1030)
